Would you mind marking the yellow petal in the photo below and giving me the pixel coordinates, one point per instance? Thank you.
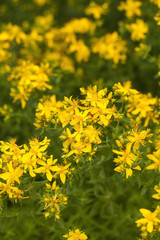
(55, 168)
(129, 172)
(83, 236)
(152, 166)
(150, 227)
(49, 175)
(63, 177)
(137, 168)
(145, 212)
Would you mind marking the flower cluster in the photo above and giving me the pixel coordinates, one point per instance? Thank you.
(17, 161)
(81, 120)
(140, 105)
(129, 155)
(111, 46)
(27, 77)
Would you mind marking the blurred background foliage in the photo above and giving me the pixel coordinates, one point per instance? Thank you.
(141, 70)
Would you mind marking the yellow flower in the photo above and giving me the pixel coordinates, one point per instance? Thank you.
(138, 30)
(150, 218)
(125, 160)
(12, 175)
(46, 110)
(92, 134)
(95, 98)
(80, 118)
(62, 171)
(125, 89)
(110, 47)
(37, 148)
(25, 78)
(155, 157)
(12, 191)
(82, 51)
(67, 64)
(52, 204)
(138, 137)
(126, 155)
(144, 106)
(44, 22)
(81, 25)
(29, 163)
(157, 189)
(75, 235)
(20, 94)
(96, 10)
(131, 8)
(48, 167)
(69, 137)
(142, 49)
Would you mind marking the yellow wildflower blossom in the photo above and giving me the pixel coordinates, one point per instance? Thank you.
(157, 189)
(75, 235)
(125, 89)
(46, 111)
(155, 157)
(131, 8)
(52, 204)
(29, 163)
(138, 137)
(149, 220)
(95, 98)
(126, 155)
(69, 137)
(12, 191)
(126, 160)
(157, 18)
(12, 175)
(145, 106)
(13, 33)
(142, 49)
(48, 166)
(111, 47)
(82, 51)
(62, 171)
(92, 134)
(96, 10)
(37, 148)
(27, 77)
(82, 25)
(44, 22)
(138, 30)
